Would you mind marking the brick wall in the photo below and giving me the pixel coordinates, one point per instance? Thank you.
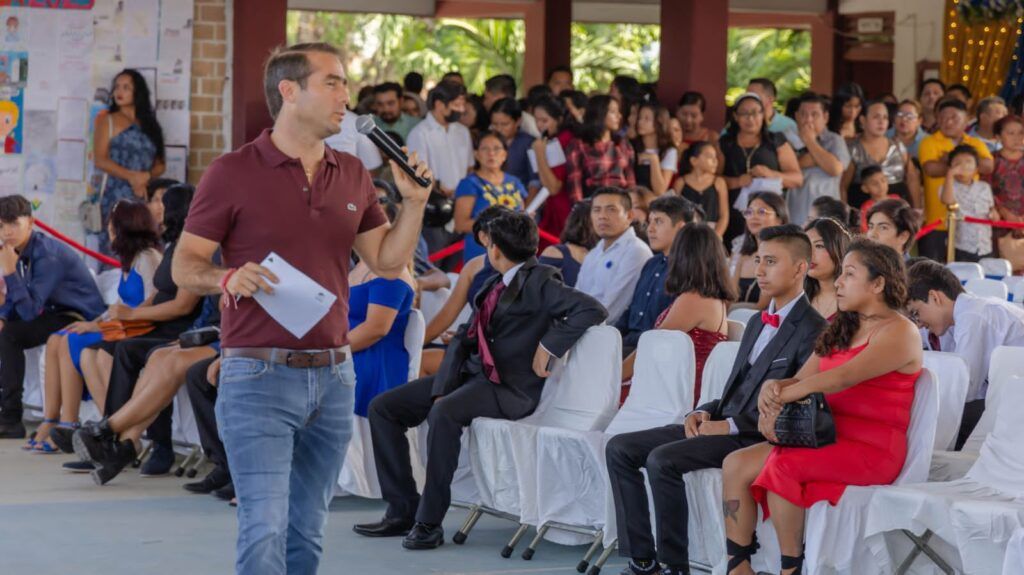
(209, 80)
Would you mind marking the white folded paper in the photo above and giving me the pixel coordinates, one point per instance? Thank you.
(298, 303)
(538, 201)
(554, 153)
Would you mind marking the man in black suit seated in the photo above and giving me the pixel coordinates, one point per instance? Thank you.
(775, 345)
(495, 366)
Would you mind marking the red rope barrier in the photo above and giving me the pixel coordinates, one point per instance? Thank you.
(928, 229)
(1006, 225)
(95, 255)
(459, 245)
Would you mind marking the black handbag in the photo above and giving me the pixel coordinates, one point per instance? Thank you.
(805, 423)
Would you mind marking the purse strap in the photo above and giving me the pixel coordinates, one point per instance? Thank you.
(110, 136)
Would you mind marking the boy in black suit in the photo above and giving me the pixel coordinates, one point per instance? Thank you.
(775, 345)
(495, 366)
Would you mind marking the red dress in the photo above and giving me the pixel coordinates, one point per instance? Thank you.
(556, 209)
(871, 442)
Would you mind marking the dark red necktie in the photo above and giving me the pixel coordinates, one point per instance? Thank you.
(933, 342)
(771, 319)
(483, 319)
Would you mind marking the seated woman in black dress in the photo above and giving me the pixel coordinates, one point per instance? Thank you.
(577, 239)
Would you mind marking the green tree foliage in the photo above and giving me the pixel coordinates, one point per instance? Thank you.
(379, 47)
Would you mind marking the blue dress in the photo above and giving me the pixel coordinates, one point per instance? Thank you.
(132, 292)
(569, 267)
(385, 364)
(132, 150)
(510, 194)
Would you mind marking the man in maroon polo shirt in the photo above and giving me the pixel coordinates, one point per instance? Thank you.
(285, 403)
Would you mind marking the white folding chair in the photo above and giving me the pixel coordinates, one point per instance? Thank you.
(359, 473)
(108, 282)
(966, 270)
(996, 268)
(1015, 285)
(431, 303)
(35, 368)
(964, 524)
(954, 379)
(834, 535)
(987, 288)
(1013, 563)
(583, 396)
(743, 314)
(736, 330)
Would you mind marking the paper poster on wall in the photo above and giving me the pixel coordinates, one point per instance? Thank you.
(175, 60)
(141, 29)
(64, 209)
(74, 45)
(176, 125)
(10, 175)
(44, 82)
(15, 31)
(71, 160)
(176, 159)
(40, 172)
(72, 115)
(11, 119)
(40, 132)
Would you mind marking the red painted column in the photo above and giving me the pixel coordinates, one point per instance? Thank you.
(694, 41)
(258, 27)
(548, 39)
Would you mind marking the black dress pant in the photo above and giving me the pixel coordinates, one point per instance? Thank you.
(130, 356)
(973, 411)
(203, 397)
(15, 337)
(667, 455)
(395, 411)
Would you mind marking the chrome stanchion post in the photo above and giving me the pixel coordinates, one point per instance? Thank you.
(951, 219)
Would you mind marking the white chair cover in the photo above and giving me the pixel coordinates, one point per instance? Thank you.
(107, 282)
(584, 397)
(1013, 563)
(183, 420)
(834, 534)
(966, 270)
(996, 268)
(572, 473)
(736, 330)
(987, 288)
(717, 369)
(975, 516)
(431, 303)
(953, 377)
(359, 473)
(35, 367)
(1016, 286)
(742, 315)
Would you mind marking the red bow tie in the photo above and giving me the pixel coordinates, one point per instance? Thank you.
(771, 319)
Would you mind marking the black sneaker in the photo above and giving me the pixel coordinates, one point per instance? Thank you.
(160, 462)
(110, 457)
(632, 568)
(227, 493)
(61, 438)
(213, 481)
(12, 430)
(78, 466)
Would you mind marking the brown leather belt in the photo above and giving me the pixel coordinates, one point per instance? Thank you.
(291, 358)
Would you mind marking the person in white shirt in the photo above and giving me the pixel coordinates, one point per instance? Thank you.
(968, 325)
(611, 269)
(441, 140)
(350, 141)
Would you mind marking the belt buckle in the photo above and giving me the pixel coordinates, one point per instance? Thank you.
(298, 360)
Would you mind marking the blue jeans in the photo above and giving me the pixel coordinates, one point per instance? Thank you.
(285, 431)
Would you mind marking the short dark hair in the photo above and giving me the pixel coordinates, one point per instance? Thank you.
(932, 81)
(829, 207)
(508, 106)
(177, 200)
(157, 184)
(960, 88)
(1006, 121)
(925, 276)
(413, 82)
(515, 234)
(389, 87)
(579, 228)
(502, 83)
(698, 264)
(962, 150)
(552, 106)
(950, 103)
(693, 99)
(813, 98)
(622, 193)
(446, 92)
(557, 69)
(869, 171)
(767, 84)
(14, 207)
(134, 231)
(483, 219)
(291, 63)
(677, 208)
(537, 93)
(795, 239)
(453, 74)
(902, 216)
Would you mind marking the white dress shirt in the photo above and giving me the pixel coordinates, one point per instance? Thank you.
(981, 324)
(447, 151)
(350, 141)
(609, 272)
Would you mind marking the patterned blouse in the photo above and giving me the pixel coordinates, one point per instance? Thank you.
(592, 166)
(1008, 184)
(975, 200)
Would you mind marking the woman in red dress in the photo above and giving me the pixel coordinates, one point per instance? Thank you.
(866, 363)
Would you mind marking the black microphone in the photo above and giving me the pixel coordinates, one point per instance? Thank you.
(367, 127)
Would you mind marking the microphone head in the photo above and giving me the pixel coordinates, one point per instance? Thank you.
(365, 125)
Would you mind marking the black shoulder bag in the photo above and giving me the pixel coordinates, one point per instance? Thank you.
(805, 423)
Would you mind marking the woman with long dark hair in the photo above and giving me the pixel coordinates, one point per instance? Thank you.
(555, 135)
(577, 239)
(136, 244)
(701, 185)
(657, 161)
(829, 240)
(598, 157)
(846, 108)
(865, 363)
(128, 143)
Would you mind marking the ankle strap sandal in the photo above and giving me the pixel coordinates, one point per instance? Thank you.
(740, 554)
(795, 563)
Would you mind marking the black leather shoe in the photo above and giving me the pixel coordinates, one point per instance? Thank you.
(387, 527)
(13, 430)
(227, 493)
(109, 456)
(78, 466)
(423, 536)
(214, 480)
(61, 437)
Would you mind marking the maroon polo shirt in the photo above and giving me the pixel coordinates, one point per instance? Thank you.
(256, 200)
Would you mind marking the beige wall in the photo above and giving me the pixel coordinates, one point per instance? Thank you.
(918, 35)
(211, 70)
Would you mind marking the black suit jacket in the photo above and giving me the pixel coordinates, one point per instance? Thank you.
(784, 355)
(536, 308)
